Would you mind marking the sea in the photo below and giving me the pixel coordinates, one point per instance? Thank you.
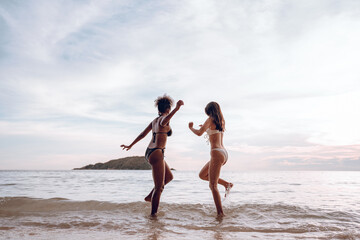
(109, 204)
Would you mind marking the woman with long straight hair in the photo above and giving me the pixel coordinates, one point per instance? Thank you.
(214, 127)
(155, 152)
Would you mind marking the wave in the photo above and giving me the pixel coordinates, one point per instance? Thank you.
(61, 213)
(26, 204)
(31, 205)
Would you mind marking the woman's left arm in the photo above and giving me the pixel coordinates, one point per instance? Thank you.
(141, 136)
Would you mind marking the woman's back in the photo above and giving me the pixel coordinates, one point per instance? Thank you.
(215, 136)
(160, 134)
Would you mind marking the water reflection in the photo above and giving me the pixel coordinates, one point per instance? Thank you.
(218, 235)
(154, 227)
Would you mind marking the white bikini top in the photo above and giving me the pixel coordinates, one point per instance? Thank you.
(210, 132)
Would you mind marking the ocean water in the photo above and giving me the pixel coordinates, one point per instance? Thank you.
(108, 204)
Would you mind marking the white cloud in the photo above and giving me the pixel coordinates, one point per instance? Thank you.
(284, 73)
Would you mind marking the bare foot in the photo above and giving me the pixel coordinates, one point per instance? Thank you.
(228, 188)
(148, 197)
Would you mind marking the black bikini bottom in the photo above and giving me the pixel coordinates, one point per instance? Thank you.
(150, 150)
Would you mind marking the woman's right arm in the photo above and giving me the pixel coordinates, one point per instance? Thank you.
(166, 119)
(141, 136)
(202, 129)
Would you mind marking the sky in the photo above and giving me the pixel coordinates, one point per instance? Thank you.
(79, 78)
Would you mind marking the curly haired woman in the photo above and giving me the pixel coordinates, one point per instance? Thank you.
(155, 152)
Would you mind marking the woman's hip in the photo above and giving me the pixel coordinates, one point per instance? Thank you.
(216, 152)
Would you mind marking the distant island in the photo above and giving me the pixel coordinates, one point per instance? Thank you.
(128, 163)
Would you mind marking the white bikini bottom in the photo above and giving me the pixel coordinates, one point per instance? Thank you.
(223, 151)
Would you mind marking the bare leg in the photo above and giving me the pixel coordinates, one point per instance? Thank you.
(168, 178)
(204, 175)
(158, 171)
(214, 172)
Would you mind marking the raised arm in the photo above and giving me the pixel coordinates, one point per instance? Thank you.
(141, 136)
(202, 129)
(166, 119)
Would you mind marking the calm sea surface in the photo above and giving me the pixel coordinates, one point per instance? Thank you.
(109, 205)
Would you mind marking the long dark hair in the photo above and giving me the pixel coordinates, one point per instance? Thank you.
(213, 110)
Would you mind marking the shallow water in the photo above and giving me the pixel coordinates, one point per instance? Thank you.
(109, 204)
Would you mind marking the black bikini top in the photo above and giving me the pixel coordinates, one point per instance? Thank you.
(167, 133)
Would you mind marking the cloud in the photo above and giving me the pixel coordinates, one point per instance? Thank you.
(285, 74)
(311, 157)
(316, 164)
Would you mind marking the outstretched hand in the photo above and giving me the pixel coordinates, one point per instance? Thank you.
(125, 147)
(191, 124)
(179, 104)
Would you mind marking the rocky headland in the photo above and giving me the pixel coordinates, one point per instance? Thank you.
(127, 163)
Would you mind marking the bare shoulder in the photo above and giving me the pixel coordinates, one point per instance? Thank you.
(208, 120)
(211, 123)
(207, 123)
(155, 121)
(160, 121)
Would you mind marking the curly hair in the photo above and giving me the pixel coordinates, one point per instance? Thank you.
(163, 103)
(213, 110)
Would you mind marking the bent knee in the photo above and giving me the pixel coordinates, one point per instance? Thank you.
(202, 176)
(170, 177)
